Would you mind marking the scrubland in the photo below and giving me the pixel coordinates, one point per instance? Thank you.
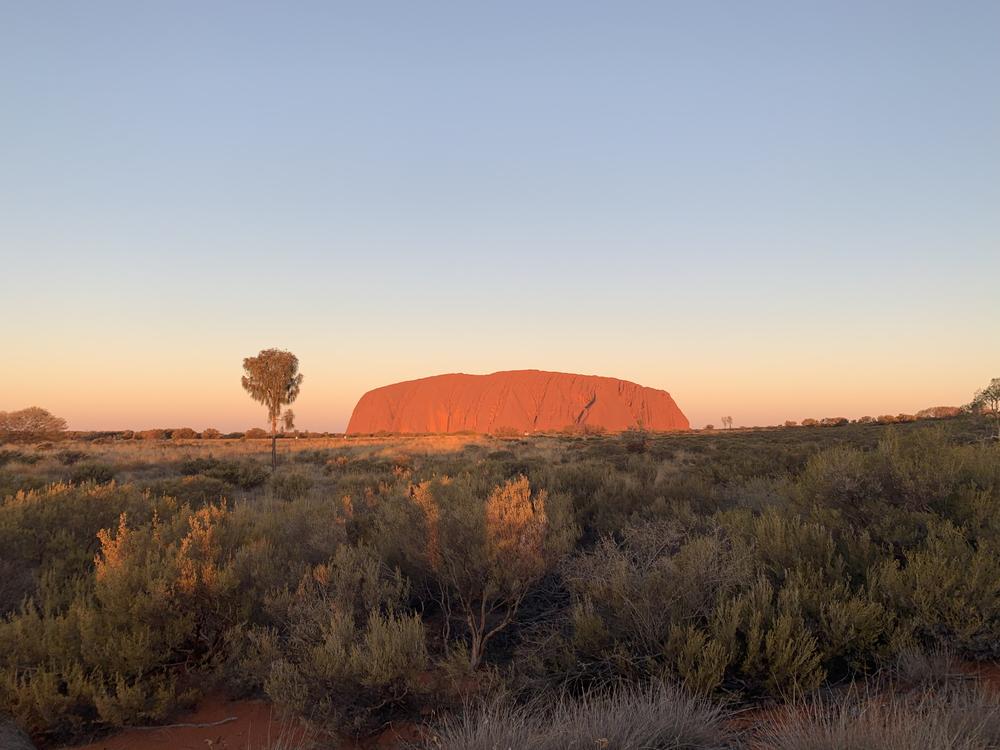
(806, 588)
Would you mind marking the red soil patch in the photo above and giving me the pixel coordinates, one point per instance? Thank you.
(988, 673)
(517, 401)
(393, 738)
(256, 726)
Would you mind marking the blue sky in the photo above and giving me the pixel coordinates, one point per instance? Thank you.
(772, 210)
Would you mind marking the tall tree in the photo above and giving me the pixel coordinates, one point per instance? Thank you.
(273, 379)
(30, 424)
(987, 401)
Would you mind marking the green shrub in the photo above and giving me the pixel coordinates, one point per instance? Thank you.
(104, 652)
(92, 472)
(481, 547)
(246, 474)
(946, 592)
(70, 457)
(289, 486)
(349, 652)
(191, 490)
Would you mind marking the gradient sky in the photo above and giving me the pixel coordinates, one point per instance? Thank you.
(771, 210)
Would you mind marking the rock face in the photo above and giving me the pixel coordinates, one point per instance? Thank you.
(519, 400)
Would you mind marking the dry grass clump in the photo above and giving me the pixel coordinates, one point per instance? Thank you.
(952, 720)
(654, 717)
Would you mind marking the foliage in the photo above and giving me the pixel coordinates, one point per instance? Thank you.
(348, 652)
(92, 472)
(482, 555)
(272, 378)
(33, 423)
(372, 581)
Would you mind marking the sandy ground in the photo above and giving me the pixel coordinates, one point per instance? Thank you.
(254, 726)
(239, 725)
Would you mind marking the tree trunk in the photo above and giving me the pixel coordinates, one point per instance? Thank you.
(274, 445)
(475, 650)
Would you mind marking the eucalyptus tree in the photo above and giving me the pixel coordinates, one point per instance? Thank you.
(272, 378)
(987, 401)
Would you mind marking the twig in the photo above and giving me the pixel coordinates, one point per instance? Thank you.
(187, 726)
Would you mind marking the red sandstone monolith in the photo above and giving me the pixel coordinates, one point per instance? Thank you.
(515, 401)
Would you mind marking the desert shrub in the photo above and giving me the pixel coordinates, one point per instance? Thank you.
(255, 433)
(313, 456)
(246, 474)
(946, 592)
(92, 472)
(278, 540)
(183, 433)
(810, 422)
(763, 602)
(11, 483)
(289, 486)
(191, 490)
(638, 605)
(840, 478)
(8, 456)
(151, 434)
(197, 465)
(635, 440)
(53, 531)
(624, 718)
(210, 433)
(348, 652)
(156, 593)
(939, 412)
(70, 457)
(482, 554)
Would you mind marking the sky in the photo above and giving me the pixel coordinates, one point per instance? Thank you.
(772, 210)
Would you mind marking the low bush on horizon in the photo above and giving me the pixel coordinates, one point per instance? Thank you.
(370, 582)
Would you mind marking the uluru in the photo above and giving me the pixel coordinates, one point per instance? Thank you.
(515, 400)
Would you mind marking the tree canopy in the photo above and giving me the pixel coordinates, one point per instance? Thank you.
(273, 379)
(31, 423)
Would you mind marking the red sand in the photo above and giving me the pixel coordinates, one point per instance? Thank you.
(256, 727)
(519, 400)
